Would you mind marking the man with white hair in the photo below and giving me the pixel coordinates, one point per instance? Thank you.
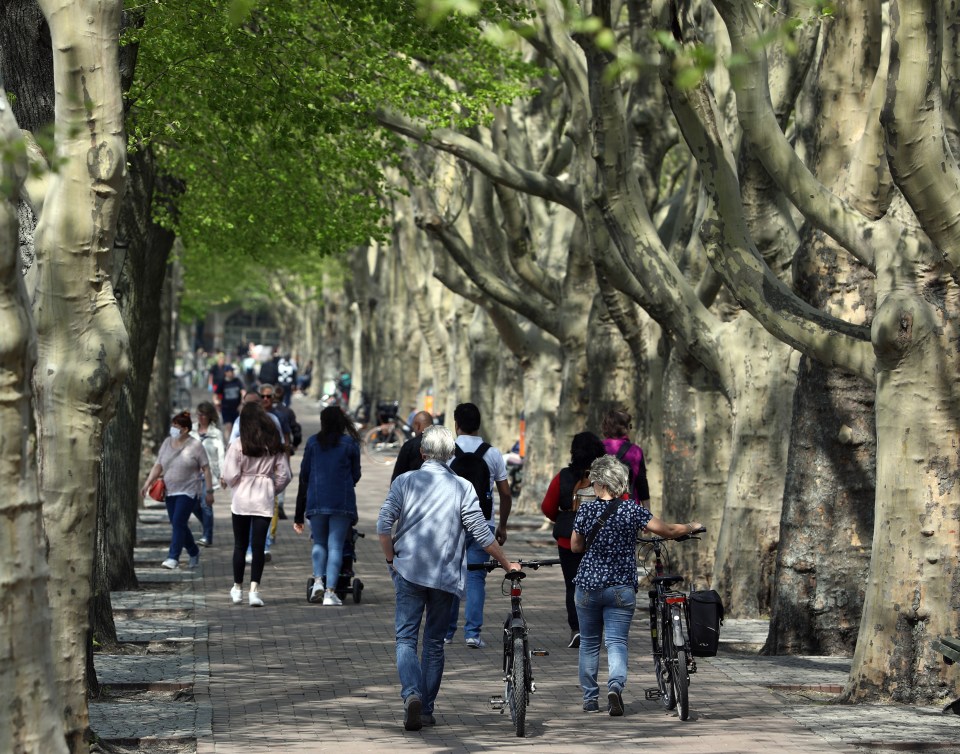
(423, 527)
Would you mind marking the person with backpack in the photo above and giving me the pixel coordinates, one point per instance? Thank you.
(483, 466)
(560, 505)
(615, 428)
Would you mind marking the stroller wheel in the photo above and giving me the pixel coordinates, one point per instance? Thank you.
(357, 590)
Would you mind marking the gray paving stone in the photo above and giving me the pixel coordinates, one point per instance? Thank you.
(156, 600)
(150, 720)
(139, 669)
(144, 630)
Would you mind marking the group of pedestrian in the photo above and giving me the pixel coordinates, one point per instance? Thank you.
(432, 525)
(436, 519)
(599, 503)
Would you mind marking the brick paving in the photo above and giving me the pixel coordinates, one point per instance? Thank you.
(298, 677)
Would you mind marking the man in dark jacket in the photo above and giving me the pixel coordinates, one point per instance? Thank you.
(409, 458)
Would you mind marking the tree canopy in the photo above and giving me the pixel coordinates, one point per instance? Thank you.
(263, 114)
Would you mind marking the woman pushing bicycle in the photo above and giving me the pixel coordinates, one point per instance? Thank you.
(605, 531)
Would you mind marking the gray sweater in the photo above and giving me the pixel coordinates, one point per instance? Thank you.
(432, 509)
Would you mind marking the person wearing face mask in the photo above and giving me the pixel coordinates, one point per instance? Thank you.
(183, 464)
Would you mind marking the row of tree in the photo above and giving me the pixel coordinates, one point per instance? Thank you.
(756, 257)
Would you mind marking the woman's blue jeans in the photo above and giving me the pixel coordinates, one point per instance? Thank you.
(420, 676)
(179, 510)
(329, 532)
(604, 612)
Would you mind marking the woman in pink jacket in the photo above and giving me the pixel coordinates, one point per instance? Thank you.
(255, 469)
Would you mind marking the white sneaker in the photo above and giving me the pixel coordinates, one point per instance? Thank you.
(170, 563)
(255, 600)
(476, 642)
(316, 591)
(249, 558)
(236, 594)
(331, 598)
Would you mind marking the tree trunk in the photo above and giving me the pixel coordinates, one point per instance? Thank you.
(696, 460)
(30, 719)
(827, 521)
(914, 580)
(82, 340)
(762, 407)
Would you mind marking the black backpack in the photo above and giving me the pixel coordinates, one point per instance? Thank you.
(474, 469)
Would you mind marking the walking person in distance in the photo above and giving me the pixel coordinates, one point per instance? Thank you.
(183, 464)
(255, 469)
(329, 471)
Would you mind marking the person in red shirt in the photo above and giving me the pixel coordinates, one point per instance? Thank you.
(559, 506)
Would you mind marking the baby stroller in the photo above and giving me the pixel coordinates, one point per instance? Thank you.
(346, 582)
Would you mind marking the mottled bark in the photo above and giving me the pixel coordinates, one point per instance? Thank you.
(82, 353)
(30, 719)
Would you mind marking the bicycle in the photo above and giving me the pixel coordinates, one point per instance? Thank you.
(382, 443)
(669, 632)
(517, 655)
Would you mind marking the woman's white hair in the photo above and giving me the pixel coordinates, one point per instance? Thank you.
(611, 473)
(437, 443)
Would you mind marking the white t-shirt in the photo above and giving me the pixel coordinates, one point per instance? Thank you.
(495, 462)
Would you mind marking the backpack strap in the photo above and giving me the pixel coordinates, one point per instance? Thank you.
(482, 450)
(611, 507)
(621, 454)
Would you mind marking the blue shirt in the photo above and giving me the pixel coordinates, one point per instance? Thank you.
(612, 558)
(432, 509)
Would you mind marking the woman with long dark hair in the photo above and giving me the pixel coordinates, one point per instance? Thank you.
(329, 471)
(560, 507)
(256, 469)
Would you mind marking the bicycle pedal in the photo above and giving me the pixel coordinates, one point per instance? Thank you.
(540, 652)
(650, 694)
(496, 702)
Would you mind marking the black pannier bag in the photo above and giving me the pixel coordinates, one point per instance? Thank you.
(705, 619)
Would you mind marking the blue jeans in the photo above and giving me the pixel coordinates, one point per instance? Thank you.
(204, 514)
(605, 612)
(329, 532)
(179, 510)
(475, 594)
(420, 676)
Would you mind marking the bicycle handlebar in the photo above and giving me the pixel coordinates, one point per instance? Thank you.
(491, 565)
(682, 538)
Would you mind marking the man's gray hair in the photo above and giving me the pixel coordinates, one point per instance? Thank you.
(437, 443)
(611, 473)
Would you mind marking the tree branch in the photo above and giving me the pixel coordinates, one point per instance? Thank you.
(786, 316)
(759, 122)
(492, 165)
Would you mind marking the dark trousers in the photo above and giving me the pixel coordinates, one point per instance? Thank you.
(250, 530)
(569, 563)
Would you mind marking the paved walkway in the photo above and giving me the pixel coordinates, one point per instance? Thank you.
(297, 677)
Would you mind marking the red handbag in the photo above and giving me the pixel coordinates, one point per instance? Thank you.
(158, 490)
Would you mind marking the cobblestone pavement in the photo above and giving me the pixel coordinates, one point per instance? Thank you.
(298, 677)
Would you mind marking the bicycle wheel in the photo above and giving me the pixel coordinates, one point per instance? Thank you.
(681, 684)
(661, 663)
(517, 687)
(382, 445)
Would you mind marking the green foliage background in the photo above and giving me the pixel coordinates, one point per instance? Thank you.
(263, 111)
